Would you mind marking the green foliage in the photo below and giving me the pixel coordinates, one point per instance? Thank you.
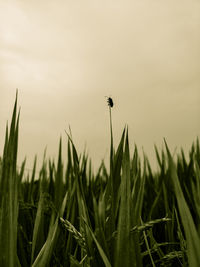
(125, 216)
(9, 185)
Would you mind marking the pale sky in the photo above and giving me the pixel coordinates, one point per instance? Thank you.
(66, 56)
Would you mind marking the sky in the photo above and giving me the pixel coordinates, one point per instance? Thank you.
(66, 56)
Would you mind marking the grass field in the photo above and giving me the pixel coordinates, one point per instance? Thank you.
(126, 215)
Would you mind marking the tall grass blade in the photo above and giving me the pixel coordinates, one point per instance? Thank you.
(191, 233)
(125, 250)
(9, 184)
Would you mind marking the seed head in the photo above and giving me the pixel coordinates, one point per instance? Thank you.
(110, 102)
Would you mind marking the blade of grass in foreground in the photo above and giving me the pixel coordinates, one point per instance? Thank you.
(101, 252)
(125, 253)
(45, 254)
(38, 231)
(9, 183)
(192, 237)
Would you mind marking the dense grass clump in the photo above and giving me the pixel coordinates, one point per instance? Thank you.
(126, 216)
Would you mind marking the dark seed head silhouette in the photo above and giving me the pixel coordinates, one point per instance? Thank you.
(110, 102)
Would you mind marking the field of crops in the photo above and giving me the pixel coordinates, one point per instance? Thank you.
(124, 216)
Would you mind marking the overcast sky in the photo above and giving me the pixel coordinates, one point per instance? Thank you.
(66, 56)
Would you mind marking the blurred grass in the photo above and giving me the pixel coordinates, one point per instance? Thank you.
(127, 216)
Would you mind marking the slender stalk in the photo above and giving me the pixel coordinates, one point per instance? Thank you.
(111, 140)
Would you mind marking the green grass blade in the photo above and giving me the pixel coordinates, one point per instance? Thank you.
(125, 250)
(9, 196)
(191, 233)
(101, 252)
